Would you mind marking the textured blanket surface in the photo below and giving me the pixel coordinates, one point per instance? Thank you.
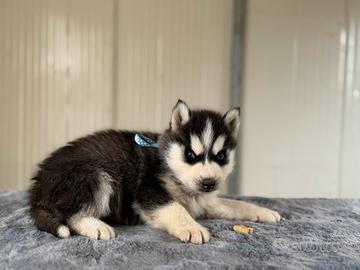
(316, 234)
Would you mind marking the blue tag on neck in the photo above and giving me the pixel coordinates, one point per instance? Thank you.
(144, 141)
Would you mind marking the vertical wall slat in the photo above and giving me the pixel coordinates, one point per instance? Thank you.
(171, 51)
(47, 95)
(56, 70)
(349, 185)
(293, 98)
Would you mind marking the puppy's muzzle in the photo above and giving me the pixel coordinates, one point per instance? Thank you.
(207, 184)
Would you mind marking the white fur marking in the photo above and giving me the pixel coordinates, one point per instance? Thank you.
(207, 135)
(100, 206)
(218, 144)
(194, 208)
(190, 203)
(190, 174)
(232, 119)
(234, 209)
(103, 195)
(196, 145)
(91, 227)
(63, 231)
(177, 221)
(180, 112)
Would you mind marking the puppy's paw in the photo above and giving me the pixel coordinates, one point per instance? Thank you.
(194, 233)
(264, 215)
(93, 228)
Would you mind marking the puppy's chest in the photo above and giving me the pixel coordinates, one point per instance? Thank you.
(194, 206)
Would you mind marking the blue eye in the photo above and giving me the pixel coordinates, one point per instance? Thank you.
(190, 156)
(221, 156)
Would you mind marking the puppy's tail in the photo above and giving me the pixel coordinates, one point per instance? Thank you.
(46, 221)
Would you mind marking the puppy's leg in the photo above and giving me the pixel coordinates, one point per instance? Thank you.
(91, 227)
(176, 220)
(233, 209)
(86, 222)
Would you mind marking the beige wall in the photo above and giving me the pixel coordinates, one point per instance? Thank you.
(301, 102)
(68, 68)
(349, 181)
(55, 79)
(169, 50)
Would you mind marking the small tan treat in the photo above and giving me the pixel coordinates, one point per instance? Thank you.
(243, 229)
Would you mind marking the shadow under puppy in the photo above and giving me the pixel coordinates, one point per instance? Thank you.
(166, 184)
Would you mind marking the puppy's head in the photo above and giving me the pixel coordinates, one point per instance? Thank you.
(199, 146)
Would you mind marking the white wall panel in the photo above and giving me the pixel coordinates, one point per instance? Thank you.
(55, 79)
(295, 53)
(171, 49)
(90, 56)
(58, 58)
(350, 160)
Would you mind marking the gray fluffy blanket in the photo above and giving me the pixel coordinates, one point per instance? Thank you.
(316, 233)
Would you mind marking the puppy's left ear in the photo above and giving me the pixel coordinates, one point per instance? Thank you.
(180, 115)
(232, 121)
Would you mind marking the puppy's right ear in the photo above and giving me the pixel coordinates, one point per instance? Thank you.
(180, 115)
(232, 121)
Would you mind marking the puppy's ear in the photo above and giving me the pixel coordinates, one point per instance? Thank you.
(180, 115)
(232, 121)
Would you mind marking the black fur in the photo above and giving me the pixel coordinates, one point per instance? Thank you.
(68, 179)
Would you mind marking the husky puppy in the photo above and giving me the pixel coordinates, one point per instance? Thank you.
(108, 177)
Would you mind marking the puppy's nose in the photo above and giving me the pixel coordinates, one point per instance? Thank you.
(208, 184)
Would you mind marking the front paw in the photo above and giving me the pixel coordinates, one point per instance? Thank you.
(194, 233)
(264, 215)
